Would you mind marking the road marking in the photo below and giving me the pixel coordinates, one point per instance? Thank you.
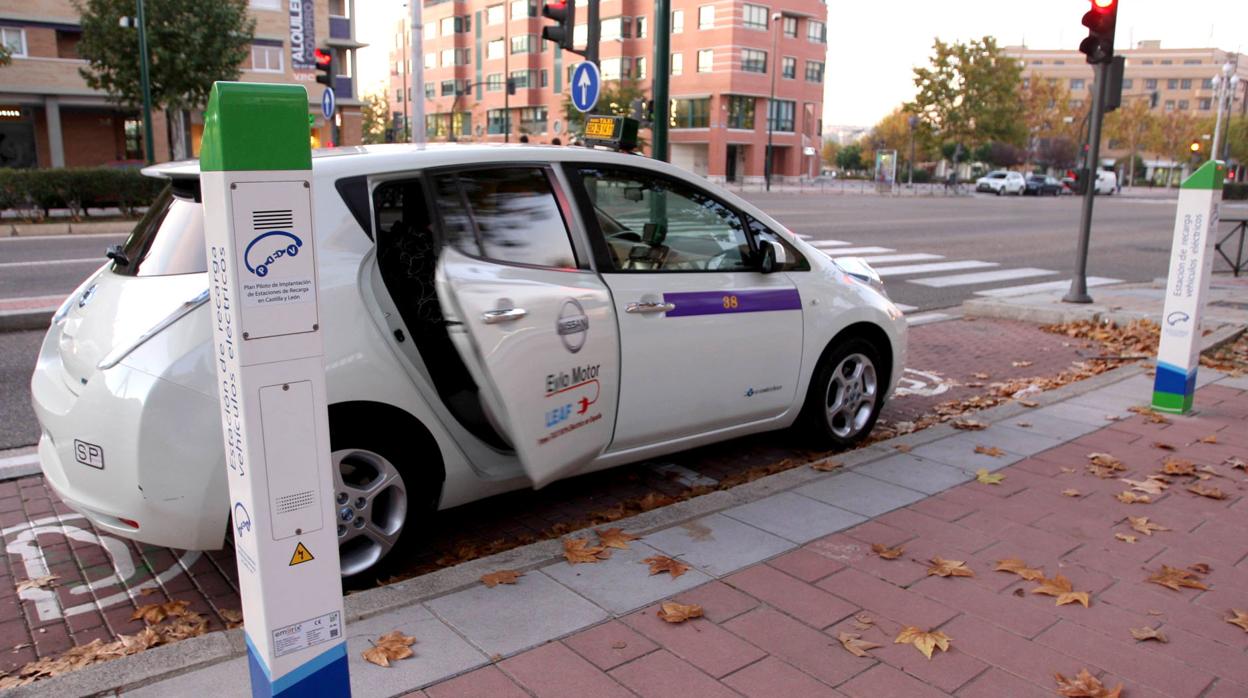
(51, 262)
(74, 236)
(828, 243)
(934, 267)
(1040, 288)
(856, 251)
(905, 308)
(892, 258)
(927, 318)
(982, 277)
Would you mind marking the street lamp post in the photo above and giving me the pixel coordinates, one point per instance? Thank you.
(139, 22)
(914, 121)
(1223, 84)
(771, 102)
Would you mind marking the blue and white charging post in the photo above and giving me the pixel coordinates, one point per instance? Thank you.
(256, 180)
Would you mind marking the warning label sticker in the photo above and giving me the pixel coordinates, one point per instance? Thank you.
(305, 634)
(301, 555)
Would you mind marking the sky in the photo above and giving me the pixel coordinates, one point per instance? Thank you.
(871, 59)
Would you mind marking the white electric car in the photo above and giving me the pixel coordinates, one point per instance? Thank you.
(495, 317)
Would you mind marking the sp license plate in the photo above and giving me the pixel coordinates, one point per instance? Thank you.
(89, 454)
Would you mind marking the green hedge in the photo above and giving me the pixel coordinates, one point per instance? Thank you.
(1235, 191)
(33, 193)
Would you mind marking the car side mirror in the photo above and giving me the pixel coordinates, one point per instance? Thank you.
(771, 256)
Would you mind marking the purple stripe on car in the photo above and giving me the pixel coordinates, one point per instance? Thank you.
(724, 302)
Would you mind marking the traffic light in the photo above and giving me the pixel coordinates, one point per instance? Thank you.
(1100, 21)
(326, 66)
(564, 14)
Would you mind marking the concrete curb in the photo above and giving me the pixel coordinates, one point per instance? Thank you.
(87, 227)
(201, 652)
(19, 320)
(1002, 309)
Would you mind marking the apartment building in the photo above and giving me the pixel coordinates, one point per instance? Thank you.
(724, 55)
(49, 117)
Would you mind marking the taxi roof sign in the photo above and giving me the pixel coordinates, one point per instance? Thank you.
(618, 132)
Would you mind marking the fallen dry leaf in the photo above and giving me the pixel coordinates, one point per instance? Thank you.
(825, 466)
(990, 451)
(233, 619)
(493, 579)
(1133, 498)
(1143, 525)
(392, 646)
(949, 568)
(903, 448)
(614, 538)
(1200, 568)
(1061, 588)
(1066, 470)
(983, 476)
(578, 550)
(1125, 538)
(1071, 492)
(1017, 566)
(855, 645)
(968, 424)
(863, 620)
(1210, 439)
(654, 500)
(1143, 634)
(44, 582)
(1149, 414)
(926, 641)
(673, 612)
(1163, 446)
(1236, 462)
(1210, 492)
(982, 376)
(886, 552)
(662, 563)
(1149, 486)
(1175, 578)
(1085, 685)
(1106, 460)
(1178, 466)
(1027, 403)
(1020, 364)
(154, 613)
(1239, 618)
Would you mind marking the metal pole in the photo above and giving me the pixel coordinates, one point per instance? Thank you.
(914, 120)
(771, 102)
(405, 70)
(1078, 292)
(1217, 128)
(507, 83)
(593, 33)
(149, 147)
(418, 73)
(662, 76)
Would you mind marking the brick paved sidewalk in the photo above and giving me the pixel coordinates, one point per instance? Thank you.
(770, 629)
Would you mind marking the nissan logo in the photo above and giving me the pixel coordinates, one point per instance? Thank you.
(572, 325)
(86, 296)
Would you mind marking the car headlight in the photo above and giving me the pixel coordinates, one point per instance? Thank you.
(858, 268)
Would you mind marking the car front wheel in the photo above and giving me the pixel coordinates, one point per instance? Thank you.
(845, 395)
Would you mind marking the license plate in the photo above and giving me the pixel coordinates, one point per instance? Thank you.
(89, 454)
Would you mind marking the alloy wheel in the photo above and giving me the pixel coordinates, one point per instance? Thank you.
(370, 507)
(851, 395)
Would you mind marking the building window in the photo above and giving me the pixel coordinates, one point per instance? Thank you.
(783, 112)
(1169, 105)
(14, 41)
(1167, 62)
(463, 123)
(494, 14)
(1205, 104)
(1184, 105)
(133, 129)
(448, 88)
(814, 72)
(431, 30)
(616, 28)
(741, 112)
(533, 120)
(544, 77)
(611, 68)
(448, 26)
(1127, 83)
(790, 26)
(640, 62)
(816, 31)
(1206, 84)
(266, 59)
(493, 82)
(1191, 61)
(431, 60)
(494, 49)
(706, 60)
(754, 17)
(521, 9)
(678, 21)
(1172, 84)
(1076, 84)
(706, 17)
(1059, 62)
(265, 4)
(691, 113)
(1185, 84)
(496, 121)
(448, 57)
(753, 60)
(398, 95)
(430, 90)
(641, 27)
(1148, 61)
(678, 64)
(525, 43)
(524, 79)
(1150, 83)
(788, 68)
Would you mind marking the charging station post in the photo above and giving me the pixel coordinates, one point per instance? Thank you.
(256, 181)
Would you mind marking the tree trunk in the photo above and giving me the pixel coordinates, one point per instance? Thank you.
(1131, 168)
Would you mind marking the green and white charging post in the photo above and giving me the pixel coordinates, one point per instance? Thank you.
(256, 182)
(1191, 266)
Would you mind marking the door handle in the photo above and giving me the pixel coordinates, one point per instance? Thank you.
(493, 317)
(649, 307)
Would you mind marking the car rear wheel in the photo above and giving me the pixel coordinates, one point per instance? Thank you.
(845, 395)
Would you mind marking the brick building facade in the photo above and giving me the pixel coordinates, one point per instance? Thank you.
(723, 55)
(49, 117)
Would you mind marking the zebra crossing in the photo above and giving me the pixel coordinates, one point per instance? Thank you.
(935, 271)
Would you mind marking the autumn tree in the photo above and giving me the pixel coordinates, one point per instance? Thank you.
(1171, 136)
(1130, 124)
(829, 152)
(969, 94)
(893, 133)
(849, 159)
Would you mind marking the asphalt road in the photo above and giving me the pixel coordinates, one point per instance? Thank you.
(52, 265)
(18, 351)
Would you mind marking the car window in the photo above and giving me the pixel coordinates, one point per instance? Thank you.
(506, 214)
(997, 175)
(652, 223)
(794, 260)
(168, 240)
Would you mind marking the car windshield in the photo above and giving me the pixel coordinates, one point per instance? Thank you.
(168, 240)
(997, 175)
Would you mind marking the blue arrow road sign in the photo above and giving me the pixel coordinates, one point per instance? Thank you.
(328, 103)
(586, 85)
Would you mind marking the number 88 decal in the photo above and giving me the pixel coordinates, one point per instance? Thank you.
(730, 303)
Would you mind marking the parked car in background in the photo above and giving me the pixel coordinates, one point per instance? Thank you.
(1001, 182)
(1106, 182)
(1042, 185)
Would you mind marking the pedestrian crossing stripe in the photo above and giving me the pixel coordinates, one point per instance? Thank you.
(301, 555)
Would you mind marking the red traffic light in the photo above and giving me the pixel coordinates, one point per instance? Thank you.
(322, 57)
(1104, 5)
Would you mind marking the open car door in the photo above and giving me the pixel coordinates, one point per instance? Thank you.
(540, 341)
